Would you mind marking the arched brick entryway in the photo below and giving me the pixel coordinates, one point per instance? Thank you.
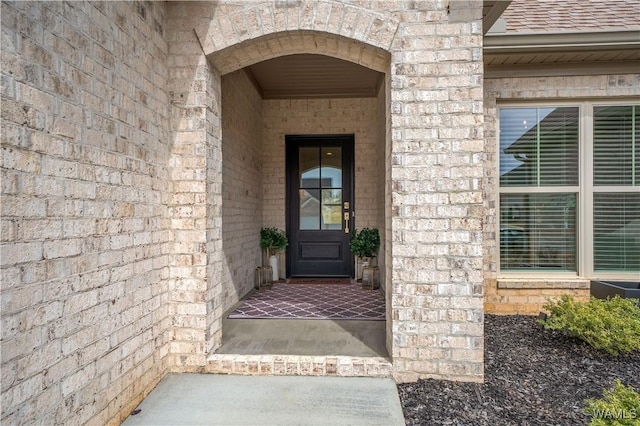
(230, 58)
(433, 136)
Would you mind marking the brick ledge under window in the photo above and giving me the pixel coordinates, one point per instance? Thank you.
(532, 283)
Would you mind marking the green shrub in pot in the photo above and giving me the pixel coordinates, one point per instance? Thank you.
(365, 243)
(273, 239)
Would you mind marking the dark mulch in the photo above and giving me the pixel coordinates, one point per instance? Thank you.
(532, 377)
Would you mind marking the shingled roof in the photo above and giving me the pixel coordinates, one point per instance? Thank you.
(558, 16)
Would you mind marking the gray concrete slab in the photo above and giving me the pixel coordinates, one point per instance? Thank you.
(209, 399)
(303, 337)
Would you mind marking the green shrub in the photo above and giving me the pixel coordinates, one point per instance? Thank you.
(611, 325)
(365, 243)
(273, 239)
(619, 406)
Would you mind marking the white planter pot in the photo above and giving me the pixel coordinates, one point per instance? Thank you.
(361, 262)
(273, 262)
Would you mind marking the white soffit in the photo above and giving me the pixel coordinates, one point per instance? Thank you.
(562, 54)
(313, 76)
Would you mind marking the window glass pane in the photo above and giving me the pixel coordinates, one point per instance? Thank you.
(616, 232)
(539, 146)
(309, 209)
(309, 158)
(538, 231)
(616, 145)
(331, 209)
(331, 171)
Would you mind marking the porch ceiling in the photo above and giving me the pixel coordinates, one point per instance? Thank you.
(313, 76)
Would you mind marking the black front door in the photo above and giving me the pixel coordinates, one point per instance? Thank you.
(319, 205)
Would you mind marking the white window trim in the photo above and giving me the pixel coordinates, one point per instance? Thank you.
(584, 191)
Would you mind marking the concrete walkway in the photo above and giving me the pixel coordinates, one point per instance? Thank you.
(208, 399)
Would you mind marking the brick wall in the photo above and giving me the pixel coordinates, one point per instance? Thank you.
(519, 295)
(383, 181)
(436, 182)
(114, 189)
(242, 185)
(196, 198)
(85, 234)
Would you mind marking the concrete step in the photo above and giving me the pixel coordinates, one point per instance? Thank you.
(299, 365)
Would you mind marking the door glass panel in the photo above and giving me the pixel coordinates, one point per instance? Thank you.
(320, 188)
(331, 172)
(331, 209)
(309, 209)
(309, 158)
(331, 197)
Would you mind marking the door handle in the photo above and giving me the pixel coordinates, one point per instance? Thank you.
(346, 222)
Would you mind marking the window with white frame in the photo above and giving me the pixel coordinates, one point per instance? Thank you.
(570, 189)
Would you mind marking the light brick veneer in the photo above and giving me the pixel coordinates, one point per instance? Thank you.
(196, 196)
(85, 229)
(114, 242)
(242, 185)
(436, 212)
(520, 296)
(296, 365)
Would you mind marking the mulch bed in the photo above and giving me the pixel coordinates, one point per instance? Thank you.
(532, 377)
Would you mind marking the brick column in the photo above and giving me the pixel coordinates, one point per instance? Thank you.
(437, 170)
(196, 191)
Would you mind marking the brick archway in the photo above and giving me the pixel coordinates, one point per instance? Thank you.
(274, 29)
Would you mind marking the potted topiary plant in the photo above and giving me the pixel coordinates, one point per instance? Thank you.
(364, 245)
(273, 240)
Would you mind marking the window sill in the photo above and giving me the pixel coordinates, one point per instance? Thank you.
(546, 284)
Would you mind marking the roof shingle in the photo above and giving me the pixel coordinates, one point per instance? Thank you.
(557, 16)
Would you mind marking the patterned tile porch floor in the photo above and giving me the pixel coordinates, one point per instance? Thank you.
(313, 302)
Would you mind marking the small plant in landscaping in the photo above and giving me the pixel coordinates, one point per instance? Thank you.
(619, 406)
(611, 325)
